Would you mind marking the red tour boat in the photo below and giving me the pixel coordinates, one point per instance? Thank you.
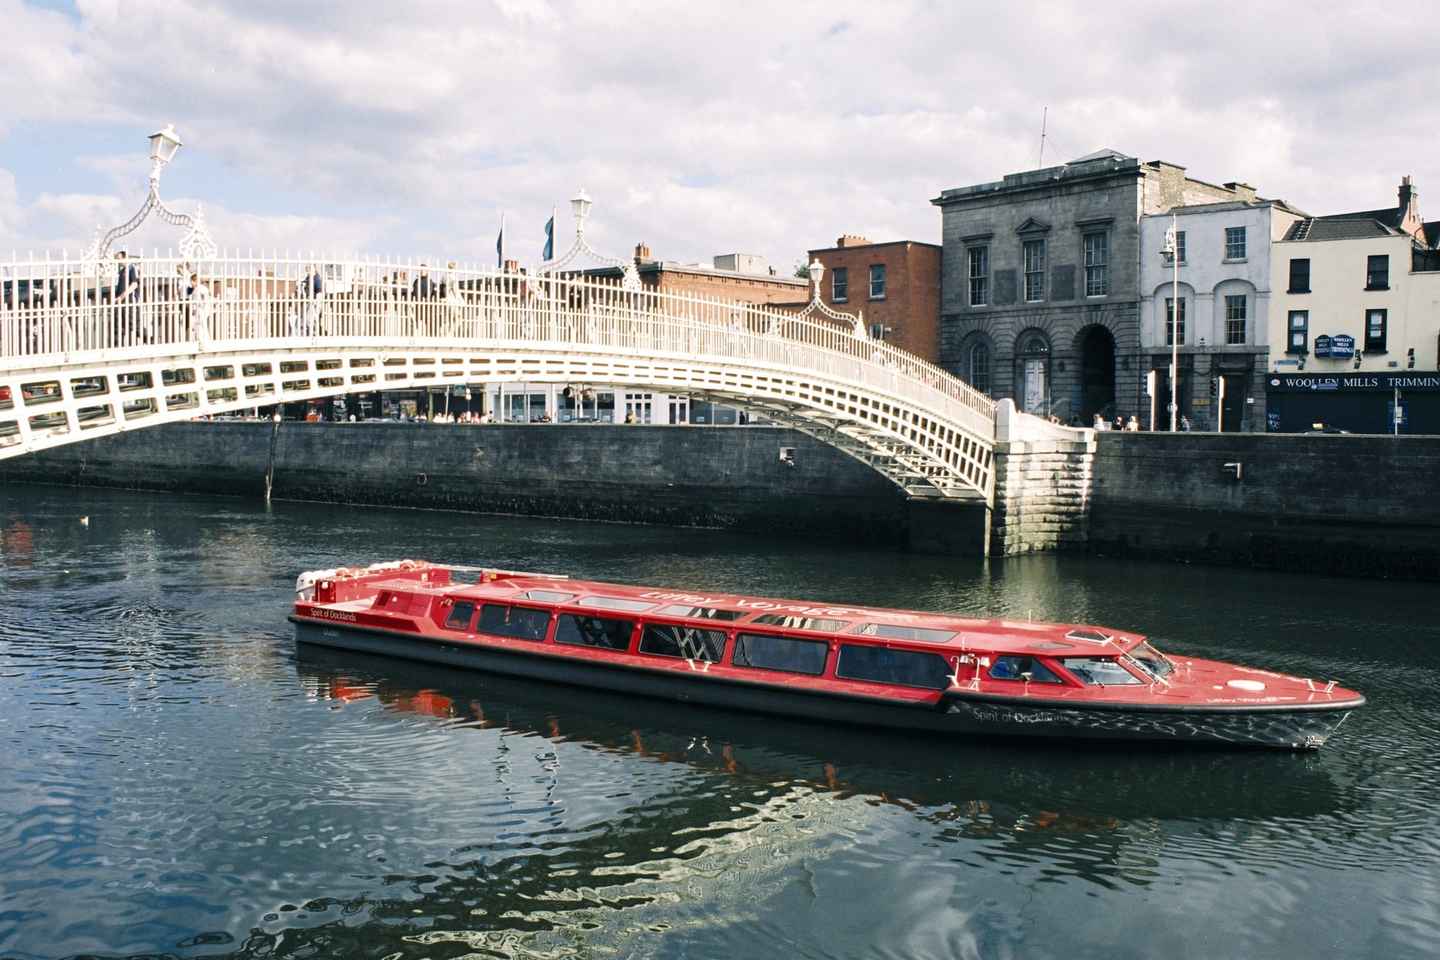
(863, 665)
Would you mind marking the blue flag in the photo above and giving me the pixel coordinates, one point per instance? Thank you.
(549, 252)
(500, 245)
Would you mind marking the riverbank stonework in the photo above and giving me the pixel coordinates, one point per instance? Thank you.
(730, 478)
(1350, 505)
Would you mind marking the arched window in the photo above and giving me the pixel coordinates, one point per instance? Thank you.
(980, 366)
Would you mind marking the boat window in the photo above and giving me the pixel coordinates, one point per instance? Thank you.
(786, 654)
(1015, 668)
(882, 665)
(1153, 660)
(522, 623)
(700, 613)
(460, 614)
(614, 603)
(594, 632)
(548, 596)
(900, 632)
(692, 643)
(802, 623)
(1098, 671)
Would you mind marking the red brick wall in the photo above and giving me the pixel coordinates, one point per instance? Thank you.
(911, 307)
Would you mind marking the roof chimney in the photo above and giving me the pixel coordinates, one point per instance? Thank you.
(1408, 196)
(852, 240)
(1242, 191)
(642, 251)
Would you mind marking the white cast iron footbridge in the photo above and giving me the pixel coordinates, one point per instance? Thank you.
(85, 352)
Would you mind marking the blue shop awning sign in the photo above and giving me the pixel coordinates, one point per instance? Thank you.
(1321, 347)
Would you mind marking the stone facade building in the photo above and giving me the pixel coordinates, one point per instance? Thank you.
(1041, 281)
(896, 285)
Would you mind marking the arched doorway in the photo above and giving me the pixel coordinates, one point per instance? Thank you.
(1097, 374)
(1032, 362)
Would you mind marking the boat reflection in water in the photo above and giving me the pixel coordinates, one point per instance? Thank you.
(988, 789)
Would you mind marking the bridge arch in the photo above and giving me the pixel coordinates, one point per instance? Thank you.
(79, 361)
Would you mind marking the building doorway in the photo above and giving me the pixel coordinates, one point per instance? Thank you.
(1034, 374)
(1097, 374)
(1233, 389)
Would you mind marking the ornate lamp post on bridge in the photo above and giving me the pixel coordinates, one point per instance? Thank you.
(195, 244)
(580, 205)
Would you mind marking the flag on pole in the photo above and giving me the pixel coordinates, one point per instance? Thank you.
(500, 245)
(549, 252)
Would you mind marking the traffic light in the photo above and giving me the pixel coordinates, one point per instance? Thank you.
(1214, 386)
(1410, 358)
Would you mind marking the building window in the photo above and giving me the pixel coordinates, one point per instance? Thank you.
(1179, 248)
(1234, 243)
(1174, 329)
(877, 281)
(839, 284)
(980, 367)
(1299, 275)
(1375, 321)
(1377, 273)
(1299, 341)
(1097, 255)
(979, 258)
(1034, 270)
(1237, 311)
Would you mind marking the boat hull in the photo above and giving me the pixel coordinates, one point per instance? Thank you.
(955, 713)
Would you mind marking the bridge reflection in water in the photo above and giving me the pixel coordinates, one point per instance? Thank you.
(86, 350)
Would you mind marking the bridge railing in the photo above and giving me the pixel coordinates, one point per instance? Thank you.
(58, 310)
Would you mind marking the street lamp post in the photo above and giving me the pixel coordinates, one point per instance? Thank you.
(1172, 247)
(196, 243)
(580, 205)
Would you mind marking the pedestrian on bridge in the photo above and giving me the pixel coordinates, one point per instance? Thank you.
(200, 304)
(126, 296)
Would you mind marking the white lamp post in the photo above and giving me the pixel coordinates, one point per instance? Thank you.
(1172, 248)
(580, 205)
(196, 243)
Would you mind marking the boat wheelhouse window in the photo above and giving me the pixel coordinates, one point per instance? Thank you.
(548, 596)
(1015, 668)
(692, 643)
(594, 632)
(460, 613)
(700, 613)
(614, 603)
(882, 665)
(900, 632)
(786, 654)
(1152, 660)
(1098, 671)
(802, 623)
(522, 623)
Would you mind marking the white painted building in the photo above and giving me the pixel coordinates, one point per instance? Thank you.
(1225, 293)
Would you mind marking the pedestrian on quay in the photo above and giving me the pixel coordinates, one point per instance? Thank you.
(1133, 424)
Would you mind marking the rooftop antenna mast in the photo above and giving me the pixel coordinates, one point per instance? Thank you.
(1044, 116)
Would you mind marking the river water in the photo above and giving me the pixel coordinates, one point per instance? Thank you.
(176, 777)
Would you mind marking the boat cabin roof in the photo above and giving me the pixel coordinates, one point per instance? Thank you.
(911, 626)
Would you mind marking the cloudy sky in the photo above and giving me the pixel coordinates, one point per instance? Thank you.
(700, 128)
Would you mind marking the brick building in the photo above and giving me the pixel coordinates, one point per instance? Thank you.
(895, 284)
(1041, 281)
(735, 276)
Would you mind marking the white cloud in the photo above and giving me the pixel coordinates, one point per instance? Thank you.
(706, 129)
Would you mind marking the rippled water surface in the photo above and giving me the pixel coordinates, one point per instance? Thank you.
(176, 777)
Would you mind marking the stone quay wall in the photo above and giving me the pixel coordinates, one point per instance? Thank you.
(1349, 505)
(683, 476)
